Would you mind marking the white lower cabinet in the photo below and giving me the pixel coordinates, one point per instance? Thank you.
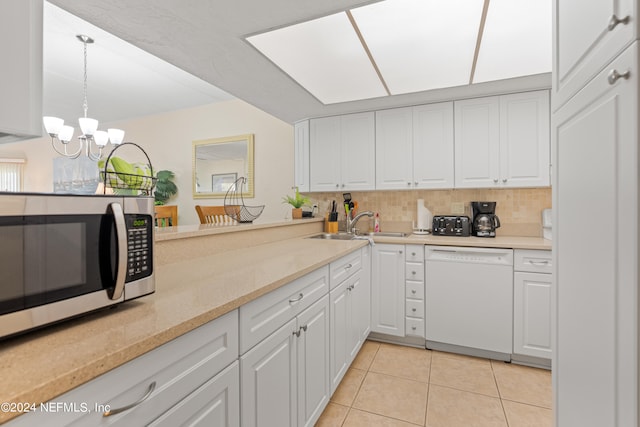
(388, 289)
(285, 378)
(192, 374)
(532, 291)
(216, 403)
(349, 324)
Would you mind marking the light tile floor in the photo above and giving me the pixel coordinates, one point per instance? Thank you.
(396, 386)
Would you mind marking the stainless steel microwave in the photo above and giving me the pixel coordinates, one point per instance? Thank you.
(65, 255)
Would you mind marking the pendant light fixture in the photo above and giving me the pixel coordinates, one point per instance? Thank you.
(91, 136)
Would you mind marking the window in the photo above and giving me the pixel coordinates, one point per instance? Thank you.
(11, 174)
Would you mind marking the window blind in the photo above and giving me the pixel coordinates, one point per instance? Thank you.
(11, 174)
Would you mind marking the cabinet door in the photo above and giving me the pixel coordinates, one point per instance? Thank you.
(268, 381)
(596, 164)
(301, 156)
(324, 150)
(339, 326)
(532, 314)
(21, 83)
(357, 151)
(584, 44)
(394, 139)
(387, 289)
(313, 362)
(215, 403)
(362, 295)
(525, 145)
(477, 142)
(433, 146)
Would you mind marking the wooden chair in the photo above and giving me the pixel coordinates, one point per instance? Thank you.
(167, 216)
(213, 215)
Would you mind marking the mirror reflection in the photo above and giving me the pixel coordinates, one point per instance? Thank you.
(219, 162)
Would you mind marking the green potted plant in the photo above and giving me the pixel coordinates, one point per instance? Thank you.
(165, 187)
(297, 202)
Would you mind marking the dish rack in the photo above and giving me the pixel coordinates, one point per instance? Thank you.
(128, 181)
(234, 205)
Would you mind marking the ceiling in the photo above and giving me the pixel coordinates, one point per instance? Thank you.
(207, 40)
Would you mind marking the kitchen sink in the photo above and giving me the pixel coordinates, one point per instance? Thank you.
(334, 236)
(388, 234)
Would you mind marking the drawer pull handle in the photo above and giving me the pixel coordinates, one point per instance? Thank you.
(614, 76)
(296, 299)
(348, 266)
(414, 310)
(115, 411)
(300, 330)
(413, 328)
(350, 288)
(614, 21)
(539, 263)
(413, 291)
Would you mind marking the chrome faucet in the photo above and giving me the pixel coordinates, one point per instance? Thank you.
(351, 223)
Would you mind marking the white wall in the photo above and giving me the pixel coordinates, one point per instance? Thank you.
(167, 140)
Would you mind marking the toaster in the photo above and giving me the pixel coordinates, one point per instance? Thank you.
(449, 225)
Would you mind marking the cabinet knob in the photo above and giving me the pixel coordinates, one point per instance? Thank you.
(342, 185)
(614, 21)
(413, 328)
(495, 180)
(413, 309)
(409, 184)
(337, 185)
(413, 272)
(413, 291)
(413, 254)
(504, 180)
(399, 252)
(614, 76)
(415, 183)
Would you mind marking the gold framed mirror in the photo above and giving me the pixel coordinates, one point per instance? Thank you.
(218, 162)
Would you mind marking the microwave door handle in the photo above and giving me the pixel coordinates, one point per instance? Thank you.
(121, 238)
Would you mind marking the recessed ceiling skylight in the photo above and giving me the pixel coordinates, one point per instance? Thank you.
(325, 56)
(402, 46)
(516, 40)
(421, 44)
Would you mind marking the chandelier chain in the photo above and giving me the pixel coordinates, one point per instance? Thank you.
(85, 105)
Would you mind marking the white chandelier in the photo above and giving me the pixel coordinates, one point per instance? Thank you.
(91, 136)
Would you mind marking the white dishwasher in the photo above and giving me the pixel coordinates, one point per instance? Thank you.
(469, 300)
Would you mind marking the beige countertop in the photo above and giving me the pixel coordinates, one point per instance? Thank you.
(41, 365)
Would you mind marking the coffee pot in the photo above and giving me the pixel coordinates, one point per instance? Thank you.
(485, 221)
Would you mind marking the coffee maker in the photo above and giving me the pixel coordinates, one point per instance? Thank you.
(485, 220)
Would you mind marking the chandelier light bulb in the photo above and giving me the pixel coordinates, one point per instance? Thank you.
(101, 138)
(65, 134)
(52, 125)
(88, 126)
(116, 136)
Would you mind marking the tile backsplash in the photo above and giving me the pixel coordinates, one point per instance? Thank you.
(519, 209)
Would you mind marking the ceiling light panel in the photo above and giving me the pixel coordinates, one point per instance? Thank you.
(516, 40)
(421, 44)
(325, 56)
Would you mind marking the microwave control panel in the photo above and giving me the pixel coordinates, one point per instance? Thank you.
(140, 256)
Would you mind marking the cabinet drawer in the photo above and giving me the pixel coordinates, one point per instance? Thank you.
(177, 368)
(534, 261)
(343, 268)
(414, 271)
(415, 253)
(414, 326)
(414, 290)
(260, 317)
(414, 308)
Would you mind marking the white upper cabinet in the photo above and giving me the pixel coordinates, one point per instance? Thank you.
(414, 147)
(301, 156)
(342, 152)
(586, 39)
(525, 139)
(502, 141)
(477, 145)
(394, 139)
(21, 83)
